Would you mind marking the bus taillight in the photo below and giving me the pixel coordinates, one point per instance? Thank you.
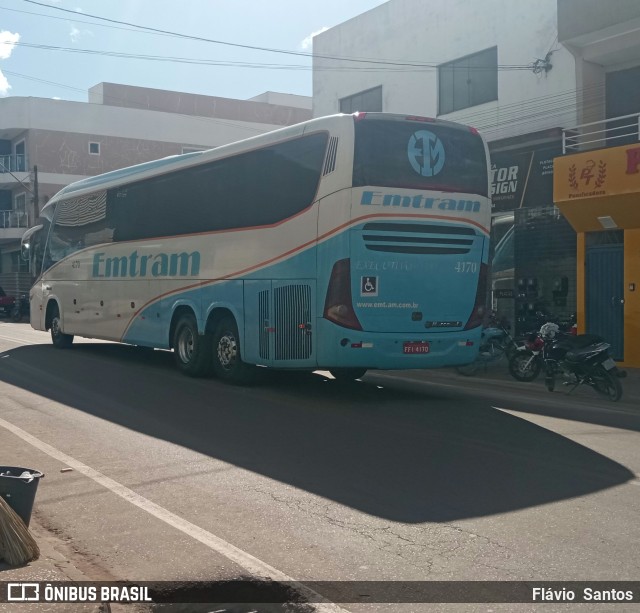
(338, 305)
(480, 306)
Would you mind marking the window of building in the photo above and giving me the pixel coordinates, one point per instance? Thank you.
(94, 148)
(468, 81)
(20, 164)
(369, 100)
(19, 217)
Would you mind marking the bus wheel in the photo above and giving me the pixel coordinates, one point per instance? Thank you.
(59, 339)
(192, 352)
(347, 374)
(227, 361)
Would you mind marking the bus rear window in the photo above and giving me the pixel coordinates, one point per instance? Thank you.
(419, 155)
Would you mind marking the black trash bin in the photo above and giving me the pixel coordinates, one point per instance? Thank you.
(19, 492)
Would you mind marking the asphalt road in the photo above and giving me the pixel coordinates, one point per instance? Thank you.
(398, 478)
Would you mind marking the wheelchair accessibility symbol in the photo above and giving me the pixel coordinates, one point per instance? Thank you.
(368, 286)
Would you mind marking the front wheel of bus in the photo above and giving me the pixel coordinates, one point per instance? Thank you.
(227, 361)
(59, 339)
(192, 352)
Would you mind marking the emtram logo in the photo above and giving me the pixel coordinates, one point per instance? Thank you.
(426, 153)
(590, 176)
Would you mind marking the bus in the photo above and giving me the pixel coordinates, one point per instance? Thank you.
(344, 243)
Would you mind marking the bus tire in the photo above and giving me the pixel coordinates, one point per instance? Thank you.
(227, 361)
(59, 339)
(191, 351)
(347, 374)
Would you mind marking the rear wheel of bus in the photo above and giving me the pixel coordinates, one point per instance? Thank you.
(227, 360)
(59, 339)
(192, 352)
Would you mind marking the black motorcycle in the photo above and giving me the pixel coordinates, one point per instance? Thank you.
(581, 360)
(21, 308)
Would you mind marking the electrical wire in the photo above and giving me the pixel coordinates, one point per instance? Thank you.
(263, 49)
(237, 64)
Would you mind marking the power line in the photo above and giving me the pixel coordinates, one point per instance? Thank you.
(238, 64)
(258, 48)
(519, 113)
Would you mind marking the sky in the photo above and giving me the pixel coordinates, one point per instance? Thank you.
(59, 49)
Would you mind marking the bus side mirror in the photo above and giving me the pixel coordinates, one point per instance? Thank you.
(29, 241)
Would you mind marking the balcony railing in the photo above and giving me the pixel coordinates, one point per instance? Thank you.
(599, 134)
(13, 219)
(13, 163)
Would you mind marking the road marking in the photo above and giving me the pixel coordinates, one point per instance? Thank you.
(253, 565)
(22, 341)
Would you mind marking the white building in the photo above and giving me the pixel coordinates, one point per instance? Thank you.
(46, 144)
(495, 64)
(524, 74)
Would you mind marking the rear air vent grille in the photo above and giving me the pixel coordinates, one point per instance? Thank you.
(292, 310)
(330, 160)
(422, 239)
(263, 324)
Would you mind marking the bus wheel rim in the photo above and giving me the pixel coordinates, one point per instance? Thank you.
(185, 345)
(227, 351)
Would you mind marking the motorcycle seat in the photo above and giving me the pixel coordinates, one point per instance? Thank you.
(572, 343)
(583, 353)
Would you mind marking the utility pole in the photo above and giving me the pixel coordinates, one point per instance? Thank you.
(36, 198)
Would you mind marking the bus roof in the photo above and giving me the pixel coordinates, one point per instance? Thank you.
(145, 170)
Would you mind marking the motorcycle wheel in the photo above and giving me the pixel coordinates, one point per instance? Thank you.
(523, 367)
(607, 384)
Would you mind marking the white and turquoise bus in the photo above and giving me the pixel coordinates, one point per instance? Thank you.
(344, 243)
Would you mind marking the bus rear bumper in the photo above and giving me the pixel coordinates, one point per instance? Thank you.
(343, 348)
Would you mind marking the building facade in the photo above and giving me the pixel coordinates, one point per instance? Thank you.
(520, 73)
(597, 179)
(46, 144)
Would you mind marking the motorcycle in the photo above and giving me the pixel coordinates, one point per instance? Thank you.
(495, 342)
(581, 360)
(526, 363)
(21, 308)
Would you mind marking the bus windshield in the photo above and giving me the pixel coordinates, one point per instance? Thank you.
(442, 157)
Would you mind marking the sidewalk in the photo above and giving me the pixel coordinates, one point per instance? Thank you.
(53, 565)
(497, 374)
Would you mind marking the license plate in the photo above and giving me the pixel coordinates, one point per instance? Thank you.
(608, 364)
(415, 347)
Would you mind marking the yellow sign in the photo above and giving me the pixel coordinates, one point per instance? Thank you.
(597, 174)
